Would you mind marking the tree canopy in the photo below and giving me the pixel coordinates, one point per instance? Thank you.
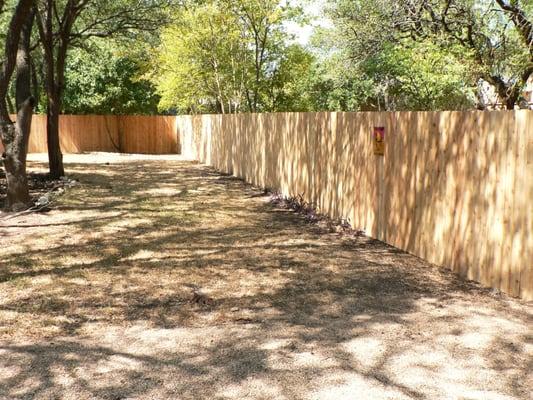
(230, 56)
(111, 87)
(208, 56)
(492, 39)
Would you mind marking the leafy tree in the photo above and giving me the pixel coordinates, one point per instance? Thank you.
(229, 56)
(64, 24)
(495, 36)
(418, 76)
(113, 87)
(263, 31)
(405, 74)
(200, 64)
(287, 90)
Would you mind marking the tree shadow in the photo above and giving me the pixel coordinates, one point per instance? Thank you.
(96, 301)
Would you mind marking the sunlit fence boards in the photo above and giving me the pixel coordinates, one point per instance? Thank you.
(455, 188)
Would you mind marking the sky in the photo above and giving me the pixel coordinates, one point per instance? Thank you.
(314, 10)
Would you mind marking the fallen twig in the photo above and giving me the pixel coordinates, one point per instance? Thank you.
(35, 208)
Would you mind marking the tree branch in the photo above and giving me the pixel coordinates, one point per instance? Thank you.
(521, 22)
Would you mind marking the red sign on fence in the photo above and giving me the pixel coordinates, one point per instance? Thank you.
(379, 140)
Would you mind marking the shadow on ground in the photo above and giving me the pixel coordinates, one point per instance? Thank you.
(95, 301)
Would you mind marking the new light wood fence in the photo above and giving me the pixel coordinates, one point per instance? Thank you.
(455, 188)
(111, 133)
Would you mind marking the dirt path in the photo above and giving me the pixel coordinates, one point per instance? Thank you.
(95, 301)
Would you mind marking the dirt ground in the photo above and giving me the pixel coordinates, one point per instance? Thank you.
(96, 301)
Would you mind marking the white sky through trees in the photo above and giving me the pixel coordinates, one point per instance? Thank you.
(314, 11)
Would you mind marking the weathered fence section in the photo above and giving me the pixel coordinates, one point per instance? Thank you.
(455, 188)
(111, 133)
(153, 135)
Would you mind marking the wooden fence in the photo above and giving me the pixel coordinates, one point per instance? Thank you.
(455, 188)
(111, 133)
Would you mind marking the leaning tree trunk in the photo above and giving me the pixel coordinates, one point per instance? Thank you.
(16, 147)
(18, 196)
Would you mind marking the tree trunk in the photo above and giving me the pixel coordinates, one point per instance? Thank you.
(16, 149)
(52, 83)
(55, 157)
(510, 103)
(54, 107)
(36, 88)
(18, 196)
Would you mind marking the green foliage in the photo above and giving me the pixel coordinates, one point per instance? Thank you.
(287, 88)
(88, 69)
(199, 61)
(230, 56)
(105, 80)
(476, 39)
(418, 76)
(334, 85)
(236, 56)
(401, 76)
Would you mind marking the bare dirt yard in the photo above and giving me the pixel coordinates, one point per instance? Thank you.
(97, 300)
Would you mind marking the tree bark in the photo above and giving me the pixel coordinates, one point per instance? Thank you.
(53, 89)
(10, 104)
(36, 89)
(20, 15)
(18, 196)
(55, 157)
(15, 135)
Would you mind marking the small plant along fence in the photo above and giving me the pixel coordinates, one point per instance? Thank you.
(455, 188)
